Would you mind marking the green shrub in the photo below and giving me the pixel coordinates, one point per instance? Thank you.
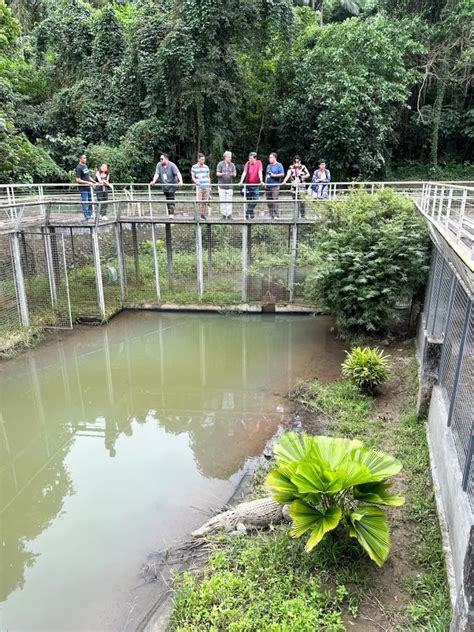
(370, 251)
(366, 367)
(334, 483)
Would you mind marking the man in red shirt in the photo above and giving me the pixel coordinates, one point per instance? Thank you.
(252, 176)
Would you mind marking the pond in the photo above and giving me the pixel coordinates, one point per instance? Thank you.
(116, 440)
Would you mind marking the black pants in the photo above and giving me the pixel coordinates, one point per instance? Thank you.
(102, 196)
(169, 195)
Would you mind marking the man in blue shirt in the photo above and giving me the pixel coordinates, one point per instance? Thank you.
(275, 174)
(201, 178)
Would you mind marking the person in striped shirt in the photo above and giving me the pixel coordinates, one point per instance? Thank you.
(201, 178)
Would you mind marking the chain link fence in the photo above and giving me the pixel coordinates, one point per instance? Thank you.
(448, 315)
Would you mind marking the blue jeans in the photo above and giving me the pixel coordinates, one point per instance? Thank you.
(252, 192)
(86, 197)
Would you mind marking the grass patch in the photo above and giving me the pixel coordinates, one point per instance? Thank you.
(14, 341)
(268, 582)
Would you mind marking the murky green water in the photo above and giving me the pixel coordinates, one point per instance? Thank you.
(114, 439)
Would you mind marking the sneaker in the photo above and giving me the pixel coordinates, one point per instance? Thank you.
(203, 217)
(104, 218)
(171, 215)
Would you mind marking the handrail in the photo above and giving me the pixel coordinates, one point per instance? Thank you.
(459, 183)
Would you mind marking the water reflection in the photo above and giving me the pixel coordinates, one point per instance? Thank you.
(217, 381)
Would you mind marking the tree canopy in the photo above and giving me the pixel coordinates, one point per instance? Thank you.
(367, 85)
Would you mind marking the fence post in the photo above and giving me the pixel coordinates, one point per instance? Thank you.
(121, 268)
(467, 465)
(50, 265)
(169, 255)
(155, 264)
(459, 362)
(245, 229)
(294, 241)
(19, 281)
(200, 274)
(435, 315)
(427, 307)
(98, 272)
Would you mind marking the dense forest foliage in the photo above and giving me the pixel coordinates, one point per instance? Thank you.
(376, 87)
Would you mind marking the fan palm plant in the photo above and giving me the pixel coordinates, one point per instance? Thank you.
(334, 483)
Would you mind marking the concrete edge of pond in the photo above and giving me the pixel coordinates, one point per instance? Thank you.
(242, 308)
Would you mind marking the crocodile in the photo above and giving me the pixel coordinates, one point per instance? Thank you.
(256, 513)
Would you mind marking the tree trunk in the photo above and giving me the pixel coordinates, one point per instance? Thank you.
(437, 110)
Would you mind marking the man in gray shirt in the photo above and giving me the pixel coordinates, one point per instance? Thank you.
(170, 177)
(226, 171)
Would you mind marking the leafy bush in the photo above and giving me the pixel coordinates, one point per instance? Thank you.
(366, 367)
(334, 483)
(371, 251)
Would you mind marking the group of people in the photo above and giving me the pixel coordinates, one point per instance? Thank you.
(252, 178)
(86, 182)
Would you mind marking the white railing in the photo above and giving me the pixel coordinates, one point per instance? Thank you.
(16, 193)
(450, 208)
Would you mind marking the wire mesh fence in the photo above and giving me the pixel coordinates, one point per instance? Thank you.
(10, 323)
(46, 282)
(448, 314)
(269, 263)
(222, 264)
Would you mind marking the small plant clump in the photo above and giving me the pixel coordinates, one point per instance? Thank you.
(333, 483)
(367, 368)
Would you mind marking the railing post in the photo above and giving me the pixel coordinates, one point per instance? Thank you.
(435, 196)
(245, 235)
(448, 210)
(461, 213)
(459, 362)
(440, 205)
(19, 281)
(98, 272)
(155, 264)
(200, 273)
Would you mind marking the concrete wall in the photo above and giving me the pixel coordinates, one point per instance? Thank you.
(455, 509)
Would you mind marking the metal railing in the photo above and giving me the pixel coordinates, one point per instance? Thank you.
(450, 207)
(15, 193)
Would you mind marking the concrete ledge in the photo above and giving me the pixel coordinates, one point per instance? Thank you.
(456, 516)
(243, 308)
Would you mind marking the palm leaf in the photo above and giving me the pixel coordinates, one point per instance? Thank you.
(279, 483)
(377, 493)
(332, 450)
(370, 527)
(318, 522)
(381, 465)
(310, 478)
(290, 447)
